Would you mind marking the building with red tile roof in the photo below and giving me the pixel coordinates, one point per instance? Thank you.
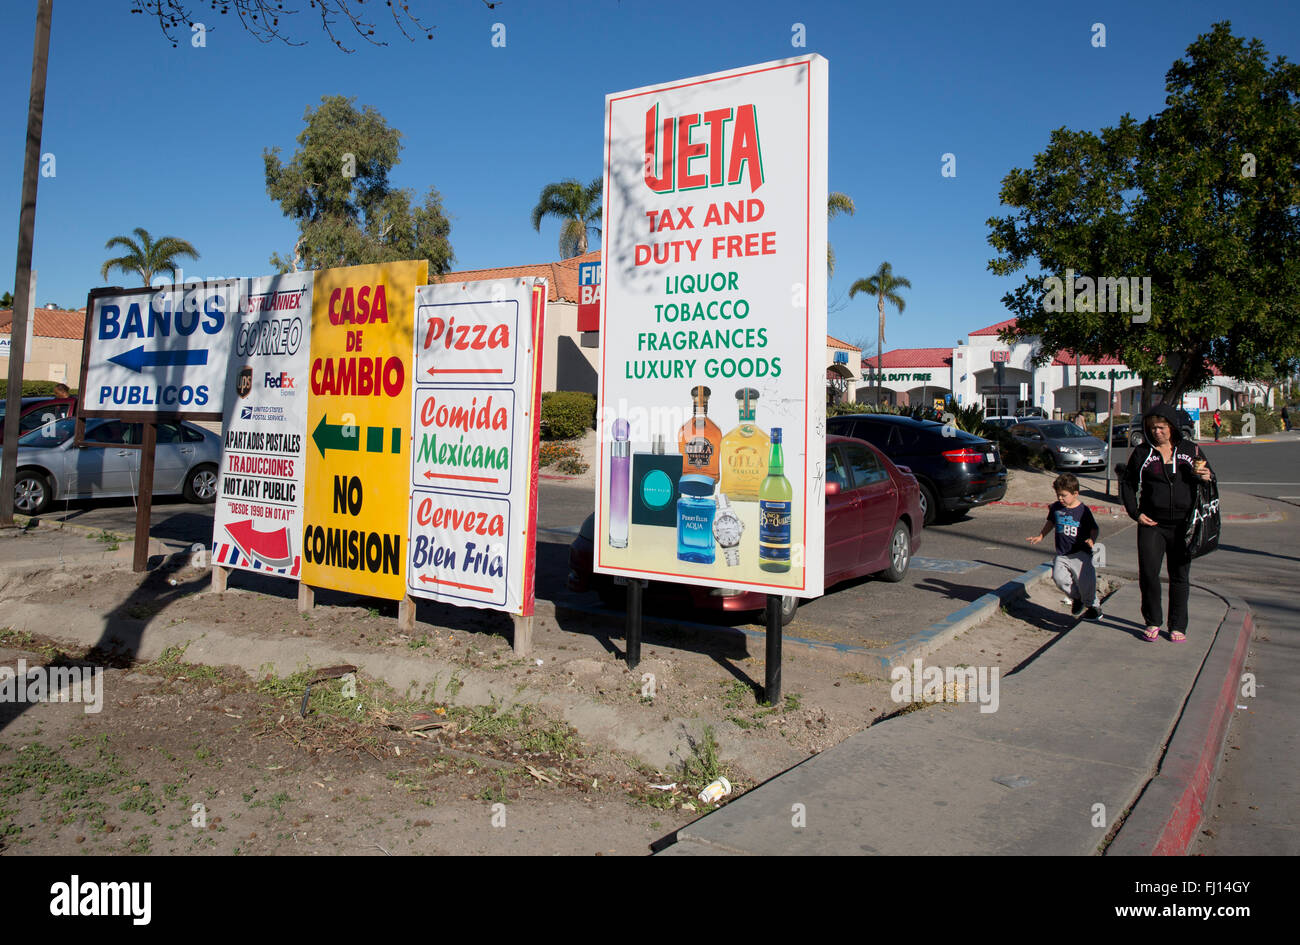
(55, 353)
(1004, 378)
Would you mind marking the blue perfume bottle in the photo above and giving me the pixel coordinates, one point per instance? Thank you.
(695, 511)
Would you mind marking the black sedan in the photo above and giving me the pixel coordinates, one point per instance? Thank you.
(956, 470)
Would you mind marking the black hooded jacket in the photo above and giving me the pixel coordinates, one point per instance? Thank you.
(1149, 487)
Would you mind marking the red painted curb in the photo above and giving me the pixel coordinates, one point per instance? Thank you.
(1193, 777)
(1166, 816)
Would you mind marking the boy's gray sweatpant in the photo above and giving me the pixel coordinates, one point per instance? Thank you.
(1075, 575)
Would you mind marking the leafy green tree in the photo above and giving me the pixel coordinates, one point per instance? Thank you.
(336, 188)
(579, 208)
(836, 203)
(147, 256)
(1202, 198)
(884, 285)
(7, 300)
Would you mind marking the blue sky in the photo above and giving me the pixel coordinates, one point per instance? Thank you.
(172, 139)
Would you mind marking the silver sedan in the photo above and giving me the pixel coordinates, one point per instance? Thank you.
(1068, 446)
(52, 467)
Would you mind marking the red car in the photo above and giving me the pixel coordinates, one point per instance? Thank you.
(37, 411)
(873, 525)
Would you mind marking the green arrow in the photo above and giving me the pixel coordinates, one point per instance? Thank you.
(330, 436)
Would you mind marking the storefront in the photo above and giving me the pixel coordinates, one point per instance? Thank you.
(1005, 381)
(911, 376)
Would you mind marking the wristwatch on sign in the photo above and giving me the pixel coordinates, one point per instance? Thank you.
(727, 528)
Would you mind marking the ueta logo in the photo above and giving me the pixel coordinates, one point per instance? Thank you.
(730, 142)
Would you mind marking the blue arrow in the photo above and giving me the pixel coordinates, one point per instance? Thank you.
(138, 358)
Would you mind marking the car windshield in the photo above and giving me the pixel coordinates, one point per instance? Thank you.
(1061, 431)
(49, 434)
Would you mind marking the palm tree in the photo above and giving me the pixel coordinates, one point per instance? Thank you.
(836, 203)
(883, 284)
(577, 206)
(147, 257)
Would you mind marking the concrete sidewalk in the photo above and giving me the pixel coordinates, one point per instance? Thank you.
(1077, 740)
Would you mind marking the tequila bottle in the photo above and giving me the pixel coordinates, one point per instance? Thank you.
(699, 439)
(774, 508)
(744, 452)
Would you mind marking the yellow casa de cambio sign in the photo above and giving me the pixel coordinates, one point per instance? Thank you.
(358, 428)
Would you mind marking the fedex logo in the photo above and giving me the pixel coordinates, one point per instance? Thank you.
(279, 380)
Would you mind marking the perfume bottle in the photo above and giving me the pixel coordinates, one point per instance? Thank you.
(774, 512)
(727, 529)
(695, 511)
(620, 460)
(654, 486)
(699, 438)
(744, 452)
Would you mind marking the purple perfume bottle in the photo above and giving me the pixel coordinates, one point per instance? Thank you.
(620, 480)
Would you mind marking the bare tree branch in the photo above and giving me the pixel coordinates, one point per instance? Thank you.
(261, 19)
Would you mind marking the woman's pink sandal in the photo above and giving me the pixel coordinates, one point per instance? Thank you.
(1151, 634)
(1177, 636)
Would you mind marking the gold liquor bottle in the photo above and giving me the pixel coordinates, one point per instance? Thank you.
(699, 439)
(744, 452)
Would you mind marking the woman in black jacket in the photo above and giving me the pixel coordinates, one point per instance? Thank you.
(1159, 490)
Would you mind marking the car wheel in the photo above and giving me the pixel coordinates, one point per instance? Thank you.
(789, 606)
(201, 484)
(32, 492)
(1135, 439)
(1049, 460)
(900, 553)
(929, 507)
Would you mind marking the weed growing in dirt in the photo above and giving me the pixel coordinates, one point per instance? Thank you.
(73, 790)
(702, 765)
(496, 793)
(18, 639)
(557, 738)
(107, 538)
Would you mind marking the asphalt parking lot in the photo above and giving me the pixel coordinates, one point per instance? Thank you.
(958, 561)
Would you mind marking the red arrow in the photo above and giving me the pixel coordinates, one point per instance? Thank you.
(464, 370)
(466, 587)
(271, 548)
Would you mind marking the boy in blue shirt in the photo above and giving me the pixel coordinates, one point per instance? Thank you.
(1076, 533)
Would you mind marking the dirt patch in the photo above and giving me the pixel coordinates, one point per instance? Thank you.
(569, 740)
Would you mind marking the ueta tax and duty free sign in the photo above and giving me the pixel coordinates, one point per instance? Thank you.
(715, 277)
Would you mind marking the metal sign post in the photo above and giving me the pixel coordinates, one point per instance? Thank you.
(1110, 429)
(632, 631)
(772, 684)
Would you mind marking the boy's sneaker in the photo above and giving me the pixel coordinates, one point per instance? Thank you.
(1076, 607)
(1094, 612)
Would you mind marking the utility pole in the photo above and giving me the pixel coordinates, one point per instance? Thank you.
(23, 271)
